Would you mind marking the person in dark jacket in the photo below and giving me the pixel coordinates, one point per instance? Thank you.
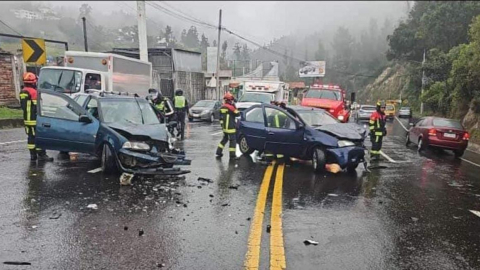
(377, 123)
(28, 102)
(228, 112)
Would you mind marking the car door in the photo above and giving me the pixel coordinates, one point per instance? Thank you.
(286, 139)
(253, 128)
(63, 125)
(415, 131)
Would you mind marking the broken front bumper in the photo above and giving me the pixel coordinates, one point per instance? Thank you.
(151, 164)
(350, 155)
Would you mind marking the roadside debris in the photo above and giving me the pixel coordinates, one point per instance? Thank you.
(160, 265)
(333, 168)
(17, 263)
(126, 179)
(211, 195)
(125, 228)
(73, 156)
(455, 184)
(225, 204)
(414, 219)
(92, 206)
(332, 195)
(234, 187)
(310, 242)
(141, 232)
(269, 228)
(202, 179)
(476, 213)
(95, 170)
(55, 215)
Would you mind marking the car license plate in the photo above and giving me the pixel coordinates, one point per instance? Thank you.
(450, 135)
(196, 115)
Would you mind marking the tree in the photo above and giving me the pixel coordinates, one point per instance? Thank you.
(191, 38)
(321, 53)
(85, 11)
(237, 51)
(245, 53)
(183, 37)
(223, 56)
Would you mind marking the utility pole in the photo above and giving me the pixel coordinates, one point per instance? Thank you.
(218, 50)
(423, 82)
(85, 33)
(142, 30)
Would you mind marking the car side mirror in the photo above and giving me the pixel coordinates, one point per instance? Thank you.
(84, 119)
(300, 125)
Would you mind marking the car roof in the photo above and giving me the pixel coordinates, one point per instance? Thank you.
(109, 96)
(305, 108)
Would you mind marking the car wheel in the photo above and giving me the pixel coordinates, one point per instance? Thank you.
(318, 160)
(459, 153)
(407, 143)
(108, 162)
(421, 145)
(244, 148)
(212, 118)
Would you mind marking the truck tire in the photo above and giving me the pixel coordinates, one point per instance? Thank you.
(318, 160)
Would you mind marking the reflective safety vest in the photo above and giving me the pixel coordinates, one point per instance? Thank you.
(180, 102)
(227, 118)
(377, 123)
(279, 120)
(28, 102)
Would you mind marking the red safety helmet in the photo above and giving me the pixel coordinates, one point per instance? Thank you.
(30, 78)
(228, 96)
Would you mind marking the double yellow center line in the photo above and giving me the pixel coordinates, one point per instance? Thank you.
(277, 250)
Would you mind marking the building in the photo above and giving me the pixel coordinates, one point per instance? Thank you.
(43, 14)
(225, 77)
(173, 69)
(296, 89)
(9, 79)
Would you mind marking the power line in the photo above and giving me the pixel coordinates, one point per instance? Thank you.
(181, 17)
(190, 16)
(11, 28)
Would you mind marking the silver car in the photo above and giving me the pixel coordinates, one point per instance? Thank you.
(405, 112)
(364, 112)
(206, 110)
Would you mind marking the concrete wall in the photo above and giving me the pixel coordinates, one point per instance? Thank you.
(7, 80)
(192, 84)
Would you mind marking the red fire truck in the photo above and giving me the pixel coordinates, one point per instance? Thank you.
(328, 97)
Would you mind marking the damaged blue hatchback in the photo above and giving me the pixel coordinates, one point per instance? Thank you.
(303, 133)
(123, 131)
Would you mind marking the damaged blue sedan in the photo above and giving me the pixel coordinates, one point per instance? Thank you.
(123, 131)
(303, 133)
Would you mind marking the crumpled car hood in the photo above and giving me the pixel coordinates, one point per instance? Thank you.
(350, 131)
(155, 132)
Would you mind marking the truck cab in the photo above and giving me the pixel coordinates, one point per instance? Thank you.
(330, 98)
(71, 81)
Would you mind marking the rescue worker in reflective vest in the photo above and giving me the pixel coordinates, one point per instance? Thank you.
(161, 103)
(28, 102)
(228, 112)
(277, 120)
(181, 108)
(377, 123)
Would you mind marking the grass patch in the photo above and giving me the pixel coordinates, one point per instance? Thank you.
(7, 113)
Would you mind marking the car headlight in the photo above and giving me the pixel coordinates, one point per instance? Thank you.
(340, 117)
(205, 112)
(136, 146)
(345, 143)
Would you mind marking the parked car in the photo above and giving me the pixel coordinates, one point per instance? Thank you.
(364, 112)
(307, 133)
(205, 110)
(405, 112)
(390, 111)
(440, 133)
(123, 131)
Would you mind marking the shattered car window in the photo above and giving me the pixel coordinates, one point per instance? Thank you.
(127, 111)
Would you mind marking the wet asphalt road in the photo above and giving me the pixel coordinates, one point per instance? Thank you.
(411, 214)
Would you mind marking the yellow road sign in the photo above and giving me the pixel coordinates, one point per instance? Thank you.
(34, 51)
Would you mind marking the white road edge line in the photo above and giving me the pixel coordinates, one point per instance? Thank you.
(387, 157)
(20, 141)
(472, 151)
(216, 133)
(401, 123)
(473, 163)
(475, 212)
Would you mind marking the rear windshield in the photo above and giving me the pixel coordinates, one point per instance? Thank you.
(438, 122)
(405, 108)
(324, 94)
(390, 107)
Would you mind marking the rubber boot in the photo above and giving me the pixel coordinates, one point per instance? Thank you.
(42, 156)
(33, 155)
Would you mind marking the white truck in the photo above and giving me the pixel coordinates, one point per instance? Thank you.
(256, 92)
(98, 71)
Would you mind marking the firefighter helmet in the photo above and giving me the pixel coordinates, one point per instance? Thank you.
(380, 104)
(29, 78)
(228, 96)
(178, 92)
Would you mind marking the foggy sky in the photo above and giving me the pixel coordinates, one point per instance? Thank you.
(262, 20)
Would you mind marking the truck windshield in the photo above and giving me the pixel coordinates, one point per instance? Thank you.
(127, 111)
(60, 80)
(325, 94)
(256, 97)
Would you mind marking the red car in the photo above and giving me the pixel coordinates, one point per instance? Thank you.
(440, 133)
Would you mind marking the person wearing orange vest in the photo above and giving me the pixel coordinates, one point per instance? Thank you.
(377, 124)
(28, 102)
(228, 112)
